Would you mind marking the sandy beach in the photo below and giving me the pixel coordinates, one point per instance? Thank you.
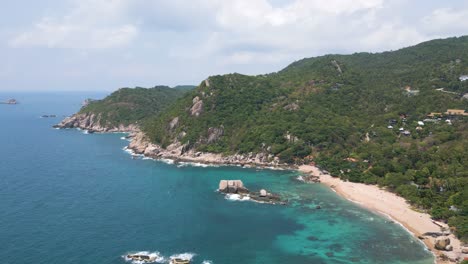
(392, 206)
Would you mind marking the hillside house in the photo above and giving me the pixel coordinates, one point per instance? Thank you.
(463, 78)
(456, 112)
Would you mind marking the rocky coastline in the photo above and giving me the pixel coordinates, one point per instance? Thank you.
(178, 152)
(92, 123)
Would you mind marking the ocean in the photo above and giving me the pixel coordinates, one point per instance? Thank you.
(71, 197)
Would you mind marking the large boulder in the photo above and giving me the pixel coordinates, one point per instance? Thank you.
(232, 186)
(442, 242)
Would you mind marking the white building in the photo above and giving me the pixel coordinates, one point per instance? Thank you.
(463, 78)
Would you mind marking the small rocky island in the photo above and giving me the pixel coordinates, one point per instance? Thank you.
(10, 102)
(236, 187)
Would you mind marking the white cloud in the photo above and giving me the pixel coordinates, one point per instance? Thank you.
(447, 21)
(90, 25)
(173, 39)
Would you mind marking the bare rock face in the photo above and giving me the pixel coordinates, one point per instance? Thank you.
(442, 242)
(139, 143)
(174, 122)
(197, 106)
(214, 133)
(291, 107)
(92, 123)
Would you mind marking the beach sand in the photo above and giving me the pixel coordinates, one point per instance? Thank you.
(393, 206)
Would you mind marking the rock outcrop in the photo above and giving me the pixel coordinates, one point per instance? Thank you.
(232, 186)
(92, 123)
(238, 188)
(442, 242)
(197, 106)
(177, 151)
(214, 133)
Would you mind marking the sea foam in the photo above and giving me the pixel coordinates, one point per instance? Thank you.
(185, 256)
(156, 255)
(236, 197)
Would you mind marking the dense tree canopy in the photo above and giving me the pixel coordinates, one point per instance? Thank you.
(345, 113)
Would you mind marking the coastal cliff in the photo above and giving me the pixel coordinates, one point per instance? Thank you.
(123, 110)
(92, 123)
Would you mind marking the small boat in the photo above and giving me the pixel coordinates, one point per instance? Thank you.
(179, 261)
(142, 257)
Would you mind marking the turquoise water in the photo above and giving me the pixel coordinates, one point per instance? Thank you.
(69, 197)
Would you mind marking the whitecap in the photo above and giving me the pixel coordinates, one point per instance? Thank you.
(156, 255)
(184, 256)
(207, 262)
(195, 164)
(167, 161)
(300, 178)
(236, 197)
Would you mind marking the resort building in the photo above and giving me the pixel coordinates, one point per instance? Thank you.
(456, 112)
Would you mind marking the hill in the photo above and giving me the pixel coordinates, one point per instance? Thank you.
(360, 116)
(124, 109)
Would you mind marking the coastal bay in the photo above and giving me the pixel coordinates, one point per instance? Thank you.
(85, 199)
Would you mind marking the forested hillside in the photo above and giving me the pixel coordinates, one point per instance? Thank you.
(358, 116)
(130, 105)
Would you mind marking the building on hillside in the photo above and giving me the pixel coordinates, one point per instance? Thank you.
(463, 78)
(456, 112)
(434, 114)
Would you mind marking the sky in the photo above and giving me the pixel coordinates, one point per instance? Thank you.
(102, 45)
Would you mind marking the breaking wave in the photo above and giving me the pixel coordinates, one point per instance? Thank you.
(236, 197)
(155, 257)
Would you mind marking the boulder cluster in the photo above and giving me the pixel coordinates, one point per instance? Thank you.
(237, 187)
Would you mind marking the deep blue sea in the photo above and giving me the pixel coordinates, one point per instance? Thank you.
(70, 197)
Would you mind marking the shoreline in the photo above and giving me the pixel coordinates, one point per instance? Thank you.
(370, 197)
(393, 207)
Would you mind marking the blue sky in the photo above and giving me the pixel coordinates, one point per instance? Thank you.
(71, 45)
